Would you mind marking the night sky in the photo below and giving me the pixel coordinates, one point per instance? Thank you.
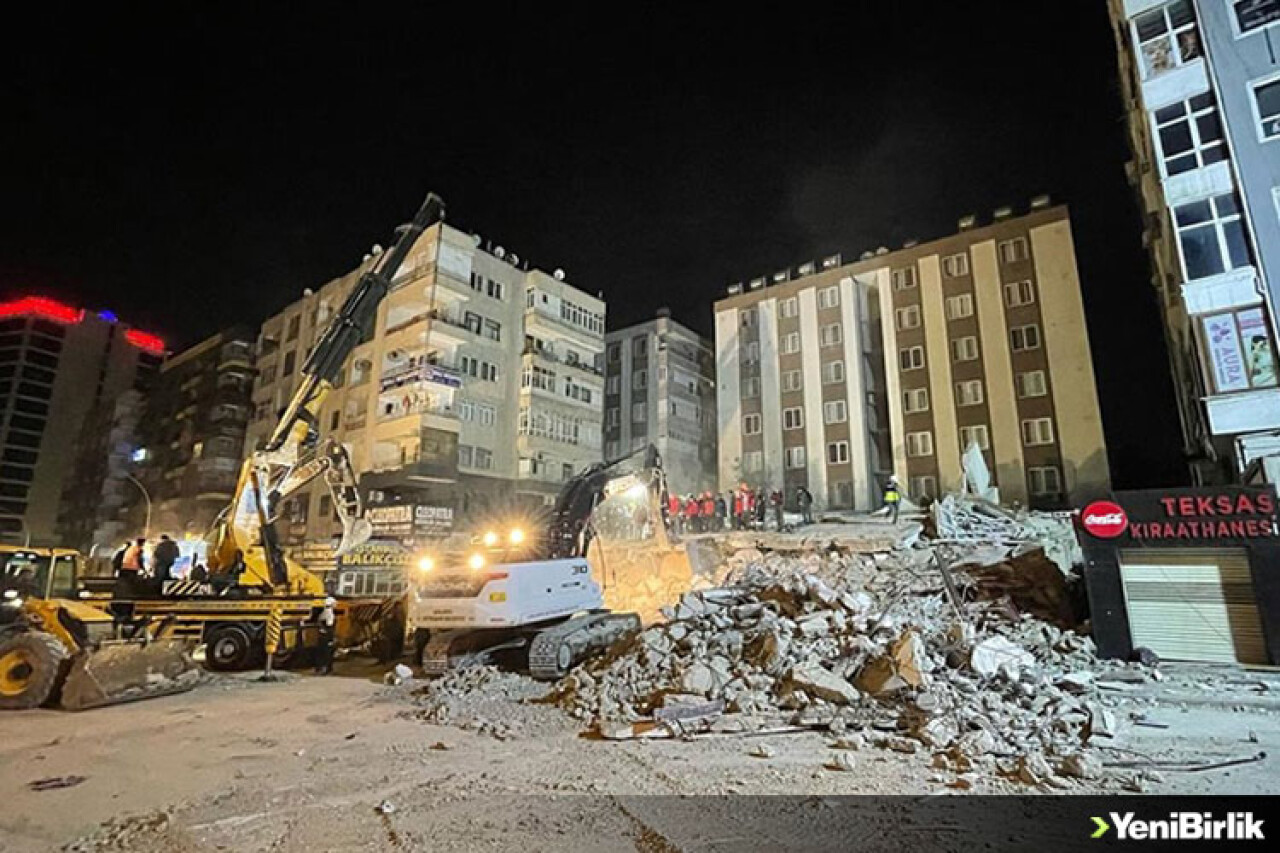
(202, 166)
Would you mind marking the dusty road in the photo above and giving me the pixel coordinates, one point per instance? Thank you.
(304, 765)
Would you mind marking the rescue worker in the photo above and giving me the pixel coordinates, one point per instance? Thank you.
(737, 510)
(327, 623)
(708, 513)
(673, 513)
(804, 500)
(132, 564)
(721, 510)
(892, 499)
(691, 514)
(776, 499)
(163, 556)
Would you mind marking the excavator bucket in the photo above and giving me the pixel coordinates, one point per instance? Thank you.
(126, 671)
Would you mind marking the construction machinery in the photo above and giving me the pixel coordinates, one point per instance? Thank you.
(252, 584)
(55, 648)
(534, 599)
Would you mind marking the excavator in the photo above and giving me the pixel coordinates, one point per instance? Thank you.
(547, 602)
(61, 642)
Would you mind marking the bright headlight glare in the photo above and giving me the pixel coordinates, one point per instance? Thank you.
(10, 593)
(490, 539)
(516, 536)
(476, 561)
(426, 564)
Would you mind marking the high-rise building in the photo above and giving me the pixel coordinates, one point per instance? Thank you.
(481, 383)
(895, 364)
(1201, 83)
(57, 363)
(660, 390)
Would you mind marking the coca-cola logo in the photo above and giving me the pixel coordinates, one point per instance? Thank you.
(1104, 519)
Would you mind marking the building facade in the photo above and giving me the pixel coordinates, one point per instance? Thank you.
(660, 390)
(839, 377)
(479, 385)
(1201, 81)
(57, 365)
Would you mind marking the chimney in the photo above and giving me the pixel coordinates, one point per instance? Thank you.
(1002, 213)
(967, 222)
(1040, 202)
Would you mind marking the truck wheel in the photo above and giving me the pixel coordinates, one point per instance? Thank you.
(228, 647)
(32, 666)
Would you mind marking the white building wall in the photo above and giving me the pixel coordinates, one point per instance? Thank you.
(815, 430)
(770, 393)
(728, 396)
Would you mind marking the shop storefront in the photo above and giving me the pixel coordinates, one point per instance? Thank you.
(1192, 574)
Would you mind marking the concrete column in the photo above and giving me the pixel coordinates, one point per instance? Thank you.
(856, 395)
(728, 396)
(892, 381)
(770, 392)
(815, 442)
(946, 438)
(1002, 396)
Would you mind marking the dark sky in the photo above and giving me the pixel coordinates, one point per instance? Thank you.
(202, 166)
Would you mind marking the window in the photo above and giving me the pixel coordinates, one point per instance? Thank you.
(955, 265)
(834, 412)
(295, 322)
(750, 424)
(494, 288)
(911, 358)
(752, 352)
(1012, 251)
(489, 372)
(832, 372)
(964, 349)
(1189, 135)
(483, 458)
(793, 418)
(640, 345)
(751, 387)
(959, 306)
(1024, 338)
(289, 359)
(613, 385)
(1211, 236)
(748, 318)
(492, 330)
(1017, 293)
(904, 278)
(838, 452)
(794, 457)
(919, 444)
(333, 420)
(829, 297)
(789, 307)
(908, 318)
(638, 413)
(830, 335)
(969, 392)
(465, 453)
(612, 416)
(915, 400)
(1045, 480)
(1250, 15)
(640, 379)
(1037, 431)
(1266, 104)
(922, 487)
(1240, 352)
(791, 380)
(614, 353)
(753, 461)
(477, 282)
(791, 343)
(1030, 384)
(976, 434)
(1167, 37)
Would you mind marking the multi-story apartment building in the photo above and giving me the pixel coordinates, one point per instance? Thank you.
(57, 363)
(1201, 81)
(978, 338)
(660, 390)
(480, 382)
(102, 486)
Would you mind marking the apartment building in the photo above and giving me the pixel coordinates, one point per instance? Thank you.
(660, 390)
(479, 385)
(58, 363)
(840, 376)
(1201, 82)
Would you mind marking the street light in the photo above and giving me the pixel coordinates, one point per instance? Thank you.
(146, 527)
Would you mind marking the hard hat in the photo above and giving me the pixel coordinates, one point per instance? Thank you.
(330, 601)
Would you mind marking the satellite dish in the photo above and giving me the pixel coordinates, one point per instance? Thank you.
(499, 252)
(558, 275)
(365, 259)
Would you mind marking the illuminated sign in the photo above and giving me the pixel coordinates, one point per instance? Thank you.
(38, 306)
(144, 341)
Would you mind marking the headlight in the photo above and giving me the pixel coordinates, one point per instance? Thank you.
(10, 594)
(516, 536)
(426, 564)
(490, 539)
(476, 562)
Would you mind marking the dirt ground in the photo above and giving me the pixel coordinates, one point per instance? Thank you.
(305, 764)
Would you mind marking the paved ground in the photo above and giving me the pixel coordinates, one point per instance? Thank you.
(303, 765)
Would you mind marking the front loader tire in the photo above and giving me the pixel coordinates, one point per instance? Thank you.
(32, 667)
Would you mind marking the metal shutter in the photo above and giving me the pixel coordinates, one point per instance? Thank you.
(1191, 604)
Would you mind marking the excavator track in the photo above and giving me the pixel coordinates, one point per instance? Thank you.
(555, 651)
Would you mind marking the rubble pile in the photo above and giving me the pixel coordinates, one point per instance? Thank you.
(971, 520)
(868, 647)
(489, 701)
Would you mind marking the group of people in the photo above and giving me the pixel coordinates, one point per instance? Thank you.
(743, 508)
(135, 561)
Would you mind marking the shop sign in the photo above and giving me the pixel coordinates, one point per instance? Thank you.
(373, 554)
(1104, 519)
(1184, 517)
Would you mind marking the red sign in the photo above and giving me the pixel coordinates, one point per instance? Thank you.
(1104, 519)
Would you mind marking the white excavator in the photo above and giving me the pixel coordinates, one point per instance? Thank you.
(534, 600)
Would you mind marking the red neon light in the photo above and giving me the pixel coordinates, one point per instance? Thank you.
(144, 341)
(38, 306)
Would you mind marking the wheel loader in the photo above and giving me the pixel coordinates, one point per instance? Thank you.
(55, 649)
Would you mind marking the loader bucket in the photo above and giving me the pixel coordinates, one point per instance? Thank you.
(126, 671)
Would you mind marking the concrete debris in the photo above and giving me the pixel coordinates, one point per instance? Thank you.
(762, 750)
(997, 656)
(841, 761)
(486, 700)
(1079, 765)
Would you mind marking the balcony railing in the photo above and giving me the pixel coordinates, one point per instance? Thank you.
(426, 406)
(435, 373)
(551, 355)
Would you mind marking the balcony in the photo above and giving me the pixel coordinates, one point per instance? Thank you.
(428, 455)
(236, 356)
(550, 354)
(439, 373)
(556, 326)
(1237, 288)
(393, 407)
